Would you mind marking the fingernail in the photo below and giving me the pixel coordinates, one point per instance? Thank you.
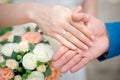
(90, 44)
(85, 47)
(73, 47)
(63, 70)
(92, 37)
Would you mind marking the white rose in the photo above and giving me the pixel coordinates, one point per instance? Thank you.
(8, 49)
(23, 46)
(17, 77)
(12, 64)
(29, 61)
(11, 38)
(53, 43)
(1, 59)
(35, 75)
(41, 68)
(18, 30)
(43, 52)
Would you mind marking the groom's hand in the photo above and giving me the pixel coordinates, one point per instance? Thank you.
(65, 59)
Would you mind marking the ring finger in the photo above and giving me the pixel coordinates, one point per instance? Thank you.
(71, 38)
(79, 34)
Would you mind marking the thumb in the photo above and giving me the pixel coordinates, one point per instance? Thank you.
(78, 10)
(80, 17)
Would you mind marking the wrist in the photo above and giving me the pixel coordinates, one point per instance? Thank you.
(24, 12)
(36, 12)
(107, 40)
(28, 11)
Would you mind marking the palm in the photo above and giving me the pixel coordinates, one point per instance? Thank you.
(100, 44)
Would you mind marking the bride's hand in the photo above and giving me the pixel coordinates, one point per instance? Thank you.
(56, 21)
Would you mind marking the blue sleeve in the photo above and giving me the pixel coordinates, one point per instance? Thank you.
(113, 30)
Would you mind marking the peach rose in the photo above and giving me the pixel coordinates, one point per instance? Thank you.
(55, 75)
(5, 36)
(32, 37)
(6, 73)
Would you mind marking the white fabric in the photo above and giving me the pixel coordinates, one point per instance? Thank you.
(67, 3)
(72, 4)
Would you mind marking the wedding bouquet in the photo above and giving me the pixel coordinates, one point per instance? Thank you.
(25, 54)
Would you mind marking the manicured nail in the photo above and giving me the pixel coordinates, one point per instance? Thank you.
(85, 47)
(90, 44)
(63, 70)
(74, 47)
(92, 37)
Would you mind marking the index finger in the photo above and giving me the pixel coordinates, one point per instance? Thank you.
(80, 17)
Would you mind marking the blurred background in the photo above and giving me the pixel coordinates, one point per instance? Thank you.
(108, 11)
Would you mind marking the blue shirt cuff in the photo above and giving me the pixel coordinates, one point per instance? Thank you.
(113, 30)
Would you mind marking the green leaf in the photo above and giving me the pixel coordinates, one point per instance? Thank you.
(47, 64)
(41, 33)
(31, 47)
(14, 55)
(4, 30)
(28, 29)
(4, 42)
(11, 79)
(3, 64)
(17, 39)
(39, 63)
(46, 42)
(36, 29)
(6, 57)
(47, 72)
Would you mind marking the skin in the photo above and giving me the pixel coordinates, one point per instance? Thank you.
(53, 20)
(66, 59)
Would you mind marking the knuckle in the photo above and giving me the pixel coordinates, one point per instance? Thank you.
(77, 32)
(77, 42)
(75, 60)
(87, 40)
(83, 37)
(81, 46)
(67, 57)
(69, 36)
